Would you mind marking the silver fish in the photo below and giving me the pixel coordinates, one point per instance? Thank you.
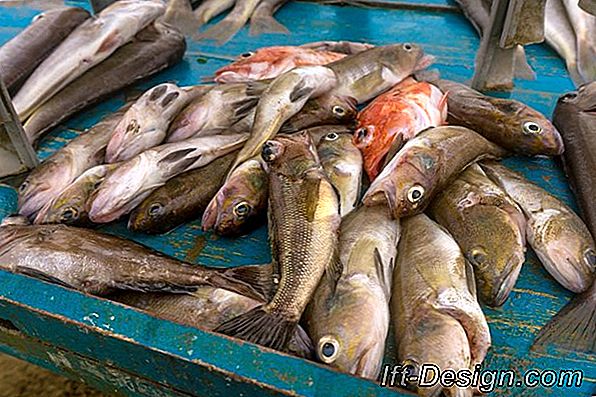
(225, 29)
(262, 20)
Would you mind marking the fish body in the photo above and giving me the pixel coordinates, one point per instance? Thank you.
(436, 315)
(22, 54)
(349, 320)
(342, 47)
(262, 21)
(98, 263)
(395, 117)
(506, 122)
(342, 163)
(426, 164)
(240, 202)
(210, 9)
(584, 26)
(89, 44)
(559, 237)
(136, 178)
(145, 124)
(489, 228)
(154, 48)
(575, 117)
(48, 179)
(304, 212)
(225, 29)
(182, 199)
(559, 34)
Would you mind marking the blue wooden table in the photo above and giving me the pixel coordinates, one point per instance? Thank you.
(118, 349)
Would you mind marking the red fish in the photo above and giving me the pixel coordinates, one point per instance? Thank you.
(270, 62)
(396, 117)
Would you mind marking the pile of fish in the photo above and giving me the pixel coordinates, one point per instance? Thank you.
(66, 59)
(398, 213)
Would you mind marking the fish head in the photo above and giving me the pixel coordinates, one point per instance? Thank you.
(290, 155)
(333, 109)
(146, 214)
(70, 207)
(403, 59)
(334, 144)
(189, 121)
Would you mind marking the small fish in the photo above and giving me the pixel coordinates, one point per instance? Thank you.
(342, 163)
(209, 9)
(426, 164)
(559, 237)
(395, 117)
(349, 320)
(90, 43)
(304, 212)
(135, 179)
(342, 47)
(153, 49)
(22, 54)
(215, 111)
(434, 309)
(99, 263)
(575, 117)
(506, 122)
(70, 206)
(262, 21)
(145, 124)
(225, 29)
(489, 228)
(270, 62)
(48, 179)
(182, 199)
(240, 202)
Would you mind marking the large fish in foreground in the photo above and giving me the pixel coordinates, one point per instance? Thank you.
(434, 309)
(424, 165)
(22, 54)
(304, 214)
(348, 318)
(575, 117)
(98, 263)
(559, 237)
(89, 44)
(490, 229)
(154, 48)
(136, 178)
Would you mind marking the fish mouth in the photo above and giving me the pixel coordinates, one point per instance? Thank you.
(506, 281)
(572, 274)
(425, 61)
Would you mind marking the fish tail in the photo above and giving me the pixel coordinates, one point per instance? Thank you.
(522, 68)
(222, 32)
(261, 327)
(254, 281)
(266, 24)
(573, 328)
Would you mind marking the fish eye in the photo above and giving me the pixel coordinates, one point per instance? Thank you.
(412, 367)
(338, 110)
(590, 256)
(328, 349)
(415, 194)
(531, 127)
(241, 209)
(569, 95)
(478, 256)
(332, 136)
(69, 214)
(23, 186)
(247, 54)
(361, 133)
(155, 209)
(407, 47)
(268, 153)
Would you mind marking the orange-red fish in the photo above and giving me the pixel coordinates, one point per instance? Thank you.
(396, 117)
(270, 62)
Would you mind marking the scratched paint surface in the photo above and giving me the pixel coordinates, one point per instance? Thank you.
(446, 35)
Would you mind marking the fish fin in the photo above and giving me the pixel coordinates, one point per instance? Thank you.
(301, 345)
(521, 67)
(334, 270)
(260, 327)
(253, 280)
(470, 279)
(223, 31)
(381, 274)
(256, 87)
(38, 274)
(244, 107)
(573, 328)
(266, 24)
(110, 42)
(301, 91)
(311, 190)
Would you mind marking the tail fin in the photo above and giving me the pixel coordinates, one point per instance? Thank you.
(222, 32)
(260, 327)
(266, 24)
(574, 327)
(301, 345)
(255, 281)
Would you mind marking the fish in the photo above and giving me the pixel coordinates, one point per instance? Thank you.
(304, 215)
(559, 237)
(179, 13)
(145, 124)
(396, 117)
(209, 9)
(153, 49)
(242, 200)
(560, 36)
(262, 20)
(425, 165)
(342, 47)
(270, 62)
(182, 198)
(90, 43)
(214, 111)
(574, 327)
(349, 320)
(584, 26)
(225, 29)
(342, 163)
(575, 118)
(490, 229)
(49, 178)
(135, 179)
(23, 53)
(509, 123)
(434, 308)
(70, 205)
(99, 264)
